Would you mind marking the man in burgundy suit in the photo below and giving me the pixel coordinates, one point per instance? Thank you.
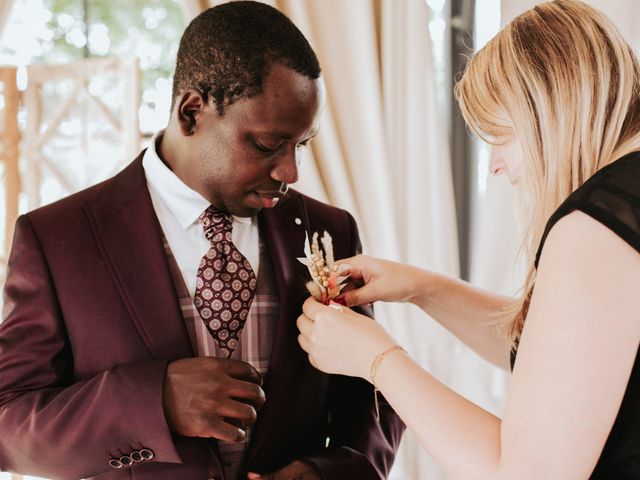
(126, 352)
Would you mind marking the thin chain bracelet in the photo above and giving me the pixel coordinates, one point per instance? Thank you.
(375, 365)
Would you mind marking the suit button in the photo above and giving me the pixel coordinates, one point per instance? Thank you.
(126, 461)
(147, 454)
(113, 463)
(136, 456)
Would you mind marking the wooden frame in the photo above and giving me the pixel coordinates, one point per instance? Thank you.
(9, 142)
(79, 72)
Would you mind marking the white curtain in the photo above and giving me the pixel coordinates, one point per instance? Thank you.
(382, 154)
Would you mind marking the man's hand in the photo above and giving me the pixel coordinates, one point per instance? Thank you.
(294, 471)
(212, 397)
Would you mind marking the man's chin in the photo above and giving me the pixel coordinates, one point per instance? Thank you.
(244, 211)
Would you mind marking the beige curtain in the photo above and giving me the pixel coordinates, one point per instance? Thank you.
(382, 153)
(5, 10)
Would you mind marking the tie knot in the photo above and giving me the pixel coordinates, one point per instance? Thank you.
(215, 221)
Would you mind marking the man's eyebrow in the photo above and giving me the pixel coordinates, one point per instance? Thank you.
(283, 135)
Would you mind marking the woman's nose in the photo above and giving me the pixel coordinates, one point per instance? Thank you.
(497, 166)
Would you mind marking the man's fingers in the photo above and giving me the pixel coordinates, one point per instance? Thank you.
(226, 432)
(243, 371)
(247, 392)
(240, 411)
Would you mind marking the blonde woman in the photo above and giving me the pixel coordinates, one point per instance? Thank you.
(557, 94)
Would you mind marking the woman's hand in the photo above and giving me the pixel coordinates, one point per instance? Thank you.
(340, 341)
(380, 280)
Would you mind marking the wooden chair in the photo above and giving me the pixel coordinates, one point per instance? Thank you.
(40, 131)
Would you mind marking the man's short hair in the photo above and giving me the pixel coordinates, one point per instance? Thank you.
(227, 51)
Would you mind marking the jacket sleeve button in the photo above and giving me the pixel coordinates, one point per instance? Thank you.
(136, 456)
(147, 453)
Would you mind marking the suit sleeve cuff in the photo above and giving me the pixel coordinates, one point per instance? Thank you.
(146, 384)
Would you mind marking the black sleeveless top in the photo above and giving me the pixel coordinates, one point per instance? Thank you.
(612, 197)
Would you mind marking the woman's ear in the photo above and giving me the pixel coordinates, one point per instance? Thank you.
(189, 105)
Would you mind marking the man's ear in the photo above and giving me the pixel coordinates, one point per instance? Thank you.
(190, 106)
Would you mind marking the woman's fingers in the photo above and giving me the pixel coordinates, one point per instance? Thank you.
(360, 296)
(305, 325)
(354, 264)
(258, 476)
(326, 335)
(362, 268)
(304, 342)
(311, 307)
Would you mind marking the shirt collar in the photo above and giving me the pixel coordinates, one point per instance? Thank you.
(184, 203)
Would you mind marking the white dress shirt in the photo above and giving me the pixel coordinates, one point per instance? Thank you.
(178, 208)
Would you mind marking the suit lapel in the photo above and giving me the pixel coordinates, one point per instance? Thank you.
(129, 235)
(285, 242)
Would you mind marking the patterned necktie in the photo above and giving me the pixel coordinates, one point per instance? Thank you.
(225, 284)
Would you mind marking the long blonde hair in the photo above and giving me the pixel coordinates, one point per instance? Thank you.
(563, 80)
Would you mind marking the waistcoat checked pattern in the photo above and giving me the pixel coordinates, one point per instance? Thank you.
(254, 345)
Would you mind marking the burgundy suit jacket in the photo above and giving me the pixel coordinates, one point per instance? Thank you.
(91, 320)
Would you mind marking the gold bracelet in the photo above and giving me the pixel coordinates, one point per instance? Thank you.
(375, 365)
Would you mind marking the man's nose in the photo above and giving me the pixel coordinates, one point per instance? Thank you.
(286, 168)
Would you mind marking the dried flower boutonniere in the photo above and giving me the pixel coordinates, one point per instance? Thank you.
(327, 279)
